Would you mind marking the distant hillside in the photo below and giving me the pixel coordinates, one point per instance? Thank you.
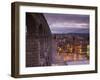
(79, 34)
(84, 35)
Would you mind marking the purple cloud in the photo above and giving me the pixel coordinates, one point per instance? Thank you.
(65, 23)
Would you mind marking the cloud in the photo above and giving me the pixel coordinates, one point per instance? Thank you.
(66, 23)
(69, 30)
(69, 25)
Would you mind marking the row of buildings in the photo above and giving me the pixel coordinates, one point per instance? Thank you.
(72, 47)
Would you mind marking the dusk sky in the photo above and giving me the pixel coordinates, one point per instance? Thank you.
(67, 23)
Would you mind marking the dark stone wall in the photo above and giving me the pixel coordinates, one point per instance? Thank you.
(38, 40)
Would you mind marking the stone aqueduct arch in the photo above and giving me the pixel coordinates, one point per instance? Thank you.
(38, 40)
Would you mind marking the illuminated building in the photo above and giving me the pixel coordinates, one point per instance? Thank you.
(71, 47)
